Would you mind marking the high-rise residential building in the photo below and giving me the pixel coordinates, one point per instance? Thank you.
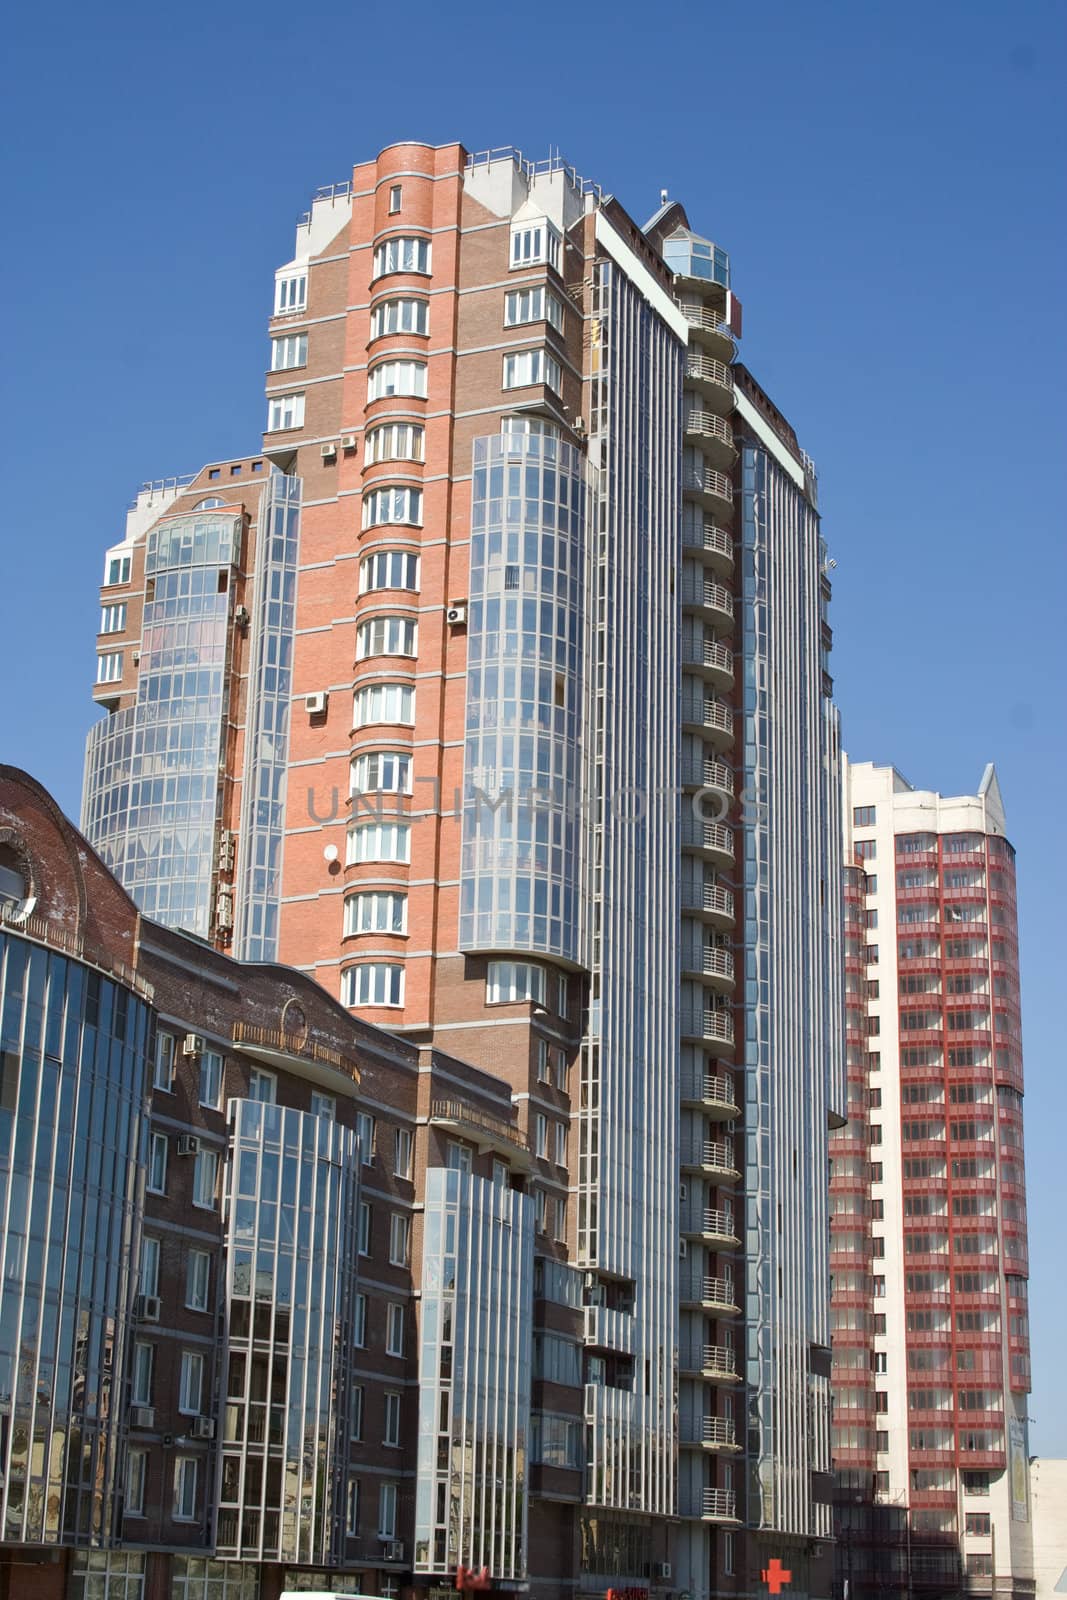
(931, 1342)
(545, 774)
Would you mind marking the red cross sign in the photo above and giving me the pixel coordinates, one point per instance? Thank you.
(776, 1576)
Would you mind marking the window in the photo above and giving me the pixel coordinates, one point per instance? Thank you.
(205, 1179)
(157, 1163)
(561, 1144)
(561, 1218)
(381, 772)
(534, 243)
(109, 666)
(399, 1234)
(402, 255)
(562, 993)
(198, 1281)
(366, 1224)
(379, 841)
(402, 1151)
(510, 981)
(976, 1483)
(391, 1427)
(399, 316)
(118, 570)
(359, 1321)
(149, 1274)
(979, 1565)
(389, 569)
(163, 1072)
(289, 351)
(352, 1507)
(397, 380)
(386, 636)
(210, 1078)
(113, 618)
(394, 1329)
(524, 367)
(387, 1499)
(561, 1069)
(290, 293)
(536, 304)
(191, 1383)
(384, 702)
(365, 1130)
(323, 1105)
(544, 1070)
(141, 1375)
(376, 911)
(459, 1156)
(376, 983)
(395, 441)
(185, 1485)
(541, 1140)
(396, 192)
(285, 411)
(136, 1473)
(541, 1211)
(865, 851)
(356, 1408)
(391, 505)
(863, 816)
(262, 1086)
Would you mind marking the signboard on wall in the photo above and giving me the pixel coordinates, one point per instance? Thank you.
(1018, 1470)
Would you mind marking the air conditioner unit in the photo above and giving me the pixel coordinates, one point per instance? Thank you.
(578, 424)
(242, 617)
(227, 851)
(202, 1428)
(456, 616)
(135, 657)
(188, 1144)
(143, 1417)
(328, 451)
(349, 441)
(224, 911)
(315, 704)
(661, 1569)
(394, 1550)
(192, 1045)
(148, 1308)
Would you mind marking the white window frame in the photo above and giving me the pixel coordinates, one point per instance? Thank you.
(392, 505)
(323, 1105)
(389, 569)
(403, 253)
(535, 242)
(525, 368)
(534, 302)
(402, 314)
(352, 1508)
(113, 617)
(198, 1280)
(388, 1498)
(396, 198)
(163, 1067)
(211, 1063)
(290, 293)
(394, 1328)
(391, 1419)
(395, 441)
(403, 1153)
(379, 841)
(359, 1321)
(377, 984)
(561, 1144)
(384, 702)
(191, 1383)
(398, 380)
(381, 772)
(142, 1372)
(387, 635)
(357, 1409)
(399, 1239)
(285, 413)
(541, 1136)
(113, 579)
(158, 1158)
(366, 1129)
(515, 983)
(459, 1157)
(288, 351)
(204, 1193)
(148, 1267)
(109, 666)
(136, 1479)
(186, 1488)
(366, 1228)
(376, 911)
(262, 1087)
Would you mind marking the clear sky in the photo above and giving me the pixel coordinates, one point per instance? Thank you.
(888, 181)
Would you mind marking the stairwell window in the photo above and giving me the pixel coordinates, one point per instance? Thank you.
(389, 569)
(285, 411)
(113, 618)
(379, 841)
(525, 367)
(384, 702)
(393, 504)
(397, 380)
(118, 570)
(386, 636)
(402, 254)
(400, 316)
(535, 243)
(375, 983)
(109, 666)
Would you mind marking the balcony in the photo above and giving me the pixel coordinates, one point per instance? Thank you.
(712, 719)
(713, 1026)
(608, 1329)
(712, 1093)
(713, 1227)
(701, 592)
(713, 435)
(708, 901)
(712, 377)
(489, 1132)
(711, 1294)
(719, 1505)
(713, 660)
(714, 543)
(719, 1364)
(715, 775)
(707, 328)
(710, 1433)
(295, 1052)
(717, 963)
(715, 1158)
(713, 489)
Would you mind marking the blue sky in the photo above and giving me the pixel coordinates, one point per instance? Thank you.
(887, 180)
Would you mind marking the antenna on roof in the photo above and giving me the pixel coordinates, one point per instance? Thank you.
(663, 197)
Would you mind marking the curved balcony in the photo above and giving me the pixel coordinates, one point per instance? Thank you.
(712, 1227)
(710, 1433)
(701, 593)
(714, 544)
(712, 377)
(718, 1505)
(717, 966)
(707, 328)
(712, 434)
(718, 1364)
(713, 1027)
(718, 777)
(713, 660)
(713, 1093)
(713, 719)
(711, 1294)
(715, 906)
(715, 1159)
(712, 488)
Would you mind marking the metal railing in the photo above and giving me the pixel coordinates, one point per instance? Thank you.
(718, 1090)
(483, 1121)
(40, 930)
(248, 1033)
(720, 1503)
(718, 1224)
(716, 655)
(699, 316)
(718, 1026)
(708, 426)
(720, 901)
(718, 1154)
(718, 1430)
(717, 963)
(719, 1358)
(718, 776)
(533, 169)
(708, 481)
(718, 1292)
(718, 598)
(707, 535)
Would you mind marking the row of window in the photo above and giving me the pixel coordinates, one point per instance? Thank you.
(381, 983)
(186, 1483)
